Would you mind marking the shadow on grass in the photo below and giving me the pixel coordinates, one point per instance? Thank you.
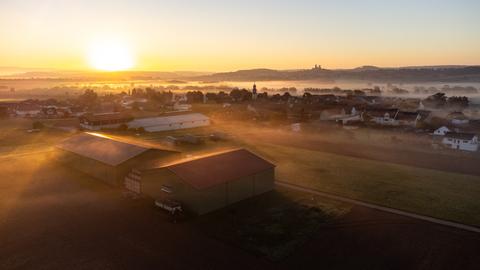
(272, 225)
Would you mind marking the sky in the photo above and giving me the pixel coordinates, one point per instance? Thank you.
(224, 35)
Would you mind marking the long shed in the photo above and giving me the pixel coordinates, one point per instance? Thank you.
(170, 122)
(108, 159)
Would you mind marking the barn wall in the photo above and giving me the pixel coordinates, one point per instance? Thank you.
(210, 199)
(240, 189)
(264, 181)
(202, 201)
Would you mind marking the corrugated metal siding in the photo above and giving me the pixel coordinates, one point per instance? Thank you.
(202, 201)
(162, 123)
(88, 166)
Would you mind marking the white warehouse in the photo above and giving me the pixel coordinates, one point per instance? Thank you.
(173, 122)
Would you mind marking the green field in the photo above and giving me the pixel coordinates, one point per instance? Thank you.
(434, 193)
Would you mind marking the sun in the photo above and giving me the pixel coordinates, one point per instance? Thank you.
(110, 55)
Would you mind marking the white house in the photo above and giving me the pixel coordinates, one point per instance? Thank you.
(392, 117)
(381, 116)
(128, 102)
(172, 122)
(458, 118)
(27, 110)
(461, 141)
(441, 131)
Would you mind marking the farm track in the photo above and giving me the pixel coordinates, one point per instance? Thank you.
(379, 207)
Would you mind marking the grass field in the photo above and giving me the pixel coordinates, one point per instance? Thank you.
(283, 223)
(13, 134)
(440, 194)
(434, 193)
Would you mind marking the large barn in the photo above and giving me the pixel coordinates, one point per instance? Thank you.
(108, 159)
(208, 183)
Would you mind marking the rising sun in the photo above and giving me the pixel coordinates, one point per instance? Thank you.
(110, 55)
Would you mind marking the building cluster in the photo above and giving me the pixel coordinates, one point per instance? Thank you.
(401, 114)
(198, 185)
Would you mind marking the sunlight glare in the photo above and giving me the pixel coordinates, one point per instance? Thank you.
(110, 55)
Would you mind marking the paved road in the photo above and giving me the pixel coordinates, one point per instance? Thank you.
(381, 208)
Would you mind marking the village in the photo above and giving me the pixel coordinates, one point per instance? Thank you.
(451, 122)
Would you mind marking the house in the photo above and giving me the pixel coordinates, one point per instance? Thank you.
(27, 110)
(392, 117)
(108, 159)
(461, 141)
(403, 118)
(441, 131)
(457, 118)
(205, 184)
(104, 121)
(380, 116)
(129, 102)
(170, 122)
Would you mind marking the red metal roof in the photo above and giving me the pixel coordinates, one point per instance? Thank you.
(221, 168)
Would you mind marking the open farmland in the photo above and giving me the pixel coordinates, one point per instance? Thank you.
(434, 193)
(54, 218)
(442, 194)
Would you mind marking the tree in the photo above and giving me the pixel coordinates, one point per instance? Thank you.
(286, 96)
(437, 100)
(236, 94)
(88, 98)
(211, 96)
(458, 102)
(195, 96)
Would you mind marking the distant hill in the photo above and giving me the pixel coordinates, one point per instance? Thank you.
(22, 73)
(365, 73)
(447, 74)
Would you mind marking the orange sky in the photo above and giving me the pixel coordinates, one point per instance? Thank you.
(230, 35)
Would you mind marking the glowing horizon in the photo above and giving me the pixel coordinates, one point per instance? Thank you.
(231, 35)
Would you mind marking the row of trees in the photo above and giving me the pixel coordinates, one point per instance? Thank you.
(440, 100)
